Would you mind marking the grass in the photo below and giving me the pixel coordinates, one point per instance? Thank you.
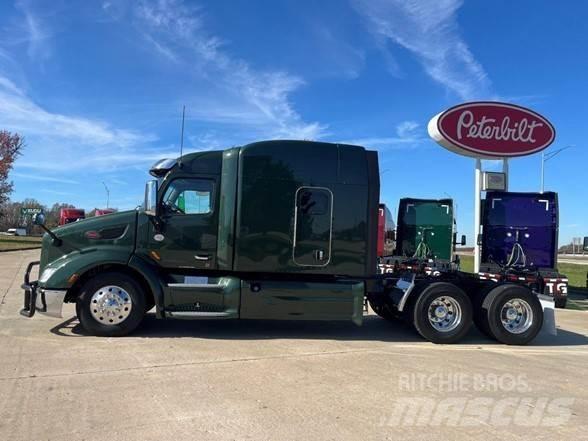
(576, 274)
(467, 263)
(10, 243)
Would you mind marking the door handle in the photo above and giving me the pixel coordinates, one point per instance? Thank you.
(202, 257)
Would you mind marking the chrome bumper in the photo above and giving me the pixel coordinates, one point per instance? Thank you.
(46, 301)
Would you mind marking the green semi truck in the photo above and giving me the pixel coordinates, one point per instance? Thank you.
(283, 230)
(425, 232)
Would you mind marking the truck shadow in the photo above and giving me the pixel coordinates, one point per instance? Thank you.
(373, 329)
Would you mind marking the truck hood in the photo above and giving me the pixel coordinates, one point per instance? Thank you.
(113, 230)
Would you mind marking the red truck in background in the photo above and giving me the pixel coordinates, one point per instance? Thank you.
(386, 232)
(104, 211)
(69, 215)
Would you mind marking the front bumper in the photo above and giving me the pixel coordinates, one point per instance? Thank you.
(46, 301)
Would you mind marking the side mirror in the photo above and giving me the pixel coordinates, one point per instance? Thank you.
(150, 204)
(586, 243)
(463, 240)
(39, 219)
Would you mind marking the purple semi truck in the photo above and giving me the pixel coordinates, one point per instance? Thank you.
(519, 241)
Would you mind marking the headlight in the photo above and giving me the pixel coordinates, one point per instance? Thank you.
(47, 272)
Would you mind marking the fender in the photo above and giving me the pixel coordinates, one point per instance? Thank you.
(151, 276)
(58, 274)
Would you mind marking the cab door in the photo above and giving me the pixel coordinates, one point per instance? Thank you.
(188, 233)
(313, 224)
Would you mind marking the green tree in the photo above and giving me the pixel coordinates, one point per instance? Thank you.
(11, 145)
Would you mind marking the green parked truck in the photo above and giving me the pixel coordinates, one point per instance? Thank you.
(271, 230)
(425, 233)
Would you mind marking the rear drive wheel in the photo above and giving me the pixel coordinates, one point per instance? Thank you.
(513, 314)
(442, 313)
(382, 310)
(480, 314)
(561, 302)
(111, 304)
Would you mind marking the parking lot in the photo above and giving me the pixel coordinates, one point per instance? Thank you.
(281, 380)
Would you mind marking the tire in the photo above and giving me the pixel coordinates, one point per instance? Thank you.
(527, 314)
(442, 313)
(111, 305)
(382, 310)
(561, 302)
(480, 315)
(149, 303)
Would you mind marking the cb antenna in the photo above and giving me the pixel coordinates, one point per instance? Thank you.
(182, 135)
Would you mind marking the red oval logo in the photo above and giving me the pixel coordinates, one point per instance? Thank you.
(488, 129)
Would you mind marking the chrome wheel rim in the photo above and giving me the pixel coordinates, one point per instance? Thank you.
(516, 316)
(444, 314)
(111, 305)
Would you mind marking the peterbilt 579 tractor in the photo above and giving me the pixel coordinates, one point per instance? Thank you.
(282, 230)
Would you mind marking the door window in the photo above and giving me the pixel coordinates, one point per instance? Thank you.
(189, 196)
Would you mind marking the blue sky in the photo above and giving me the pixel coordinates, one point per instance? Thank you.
(97, 87)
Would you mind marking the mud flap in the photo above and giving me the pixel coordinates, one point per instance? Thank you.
(548, 306)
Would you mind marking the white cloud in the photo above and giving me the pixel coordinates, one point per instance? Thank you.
(44, 178)
(54, 141)
(243, 95)
(57, 192)
(35, 33)
(20, 113)
(408, 136)
(429, 30)
(406, 129)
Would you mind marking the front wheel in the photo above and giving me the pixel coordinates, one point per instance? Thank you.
(442, 313)
(111, 304)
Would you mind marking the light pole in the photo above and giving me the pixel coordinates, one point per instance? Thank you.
(107, 194)
(546, 157)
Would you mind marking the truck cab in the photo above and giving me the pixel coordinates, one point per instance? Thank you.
(103, 211)
(426, 232)
(275, 229)
(520, 235)
(69, 215)
(386, 232)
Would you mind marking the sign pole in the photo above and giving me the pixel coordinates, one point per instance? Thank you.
(477, 213)
(505, 171)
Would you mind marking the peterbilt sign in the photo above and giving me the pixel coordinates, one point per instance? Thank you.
(488, 129)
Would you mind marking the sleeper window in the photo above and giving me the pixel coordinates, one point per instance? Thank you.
(313, 201)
